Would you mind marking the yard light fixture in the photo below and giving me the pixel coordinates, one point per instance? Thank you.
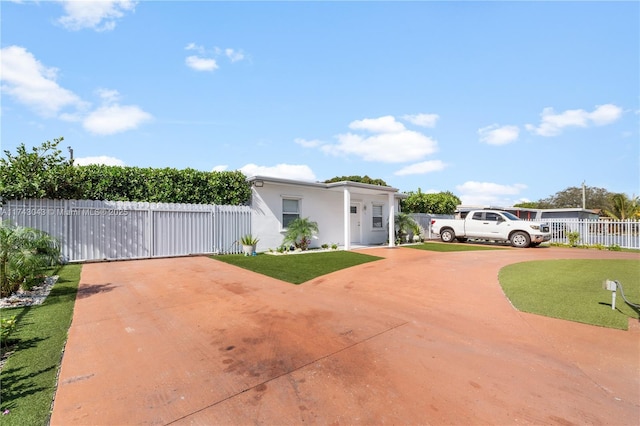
(612, 286)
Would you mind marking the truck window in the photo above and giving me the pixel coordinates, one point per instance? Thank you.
(492, 216)
(511, 216)
(477, 216)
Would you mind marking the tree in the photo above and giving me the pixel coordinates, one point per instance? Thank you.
(596, 199)
(40, 173)
(440, 203)
(528, 205)
(24, 252)
(361, 179)
(299, 232)
(623, 207)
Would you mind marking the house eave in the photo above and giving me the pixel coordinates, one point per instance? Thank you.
(356, 187)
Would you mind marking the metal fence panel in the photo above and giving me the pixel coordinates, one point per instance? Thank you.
(101, 230)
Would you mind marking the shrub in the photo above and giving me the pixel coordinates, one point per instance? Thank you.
(7, 325)
(574, 237)
(24, 254)
(299, 232)
(43, 172)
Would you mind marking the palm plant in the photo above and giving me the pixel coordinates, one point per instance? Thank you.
(24, 252)
(623, 207)
(405, 224)
(299, 232)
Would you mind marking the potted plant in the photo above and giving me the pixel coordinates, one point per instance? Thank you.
(249, 243)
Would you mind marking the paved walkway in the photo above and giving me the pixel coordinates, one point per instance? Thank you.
(417, 338)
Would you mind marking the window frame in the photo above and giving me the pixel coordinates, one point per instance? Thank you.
(284, 198)
(374, 217)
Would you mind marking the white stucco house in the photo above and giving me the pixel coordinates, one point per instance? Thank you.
(348, 213)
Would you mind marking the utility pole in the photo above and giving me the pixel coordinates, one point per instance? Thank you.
(584, 196)
(70, 153)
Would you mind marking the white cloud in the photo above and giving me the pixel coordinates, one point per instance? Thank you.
(396, 147)
(31, 83)
(605, 114)
(283, 171)
(234, 55)
(487, 193)
(205, 60)
(308, 143)
(220, 168)
(111, 119)
(97, 15)
(391, 142)
(422, 168)
(201, 64)
(102, 159)
(498, 135)
(552, 124)
(109, 96)
(196, 47)
(386, 124)
(423, 120)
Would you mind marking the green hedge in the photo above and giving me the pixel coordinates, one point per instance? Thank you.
(167, 185)
(43, 172)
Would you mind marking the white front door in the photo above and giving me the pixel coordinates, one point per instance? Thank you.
(355, 223)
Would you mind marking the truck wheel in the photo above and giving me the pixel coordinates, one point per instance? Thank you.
(447, 235)
(520, 239)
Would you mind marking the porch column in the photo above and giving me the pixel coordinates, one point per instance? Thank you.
(392, 220)
(347, 219)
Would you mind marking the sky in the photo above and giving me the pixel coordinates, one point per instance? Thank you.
(497, 102)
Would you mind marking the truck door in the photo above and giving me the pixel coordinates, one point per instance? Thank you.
(495, 225)
(477, 226)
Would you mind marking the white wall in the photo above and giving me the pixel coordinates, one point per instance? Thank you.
(320, 205)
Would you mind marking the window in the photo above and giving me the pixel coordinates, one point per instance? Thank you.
(477, 216)
(290, 211)
(376, 213)
(493, 217)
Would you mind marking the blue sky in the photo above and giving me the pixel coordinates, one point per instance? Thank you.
(498, 102)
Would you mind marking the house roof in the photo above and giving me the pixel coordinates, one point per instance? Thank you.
(355, 187)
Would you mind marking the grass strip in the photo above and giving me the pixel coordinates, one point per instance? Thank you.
(446, 247)
(572, 289)
(29, 375)
(297, 268)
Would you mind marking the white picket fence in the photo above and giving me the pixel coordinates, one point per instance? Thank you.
(109, 230)
(607, 233)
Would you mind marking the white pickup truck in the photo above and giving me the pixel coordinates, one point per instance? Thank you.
(492, 225)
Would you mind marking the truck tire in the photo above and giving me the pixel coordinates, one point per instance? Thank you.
(520, 239)
(447, 235)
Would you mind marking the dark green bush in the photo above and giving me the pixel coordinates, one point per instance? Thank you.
(44, 173)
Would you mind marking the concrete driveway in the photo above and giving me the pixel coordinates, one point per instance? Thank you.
(417, 338)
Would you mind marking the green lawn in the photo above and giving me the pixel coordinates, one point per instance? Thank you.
(297, 268)
(452, 247)
(29, 376)
(572, 289)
